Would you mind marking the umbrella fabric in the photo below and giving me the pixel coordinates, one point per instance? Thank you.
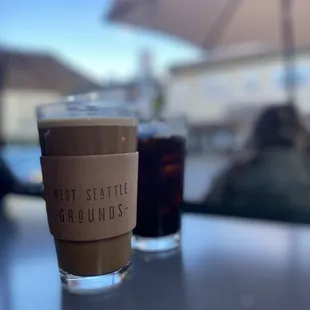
(216, 23)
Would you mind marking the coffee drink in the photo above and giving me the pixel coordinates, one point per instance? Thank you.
(85, 137)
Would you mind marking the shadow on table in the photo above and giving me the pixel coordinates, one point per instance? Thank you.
(149, 272)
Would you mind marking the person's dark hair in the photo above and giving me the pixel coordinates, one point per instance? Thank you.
(277, 126)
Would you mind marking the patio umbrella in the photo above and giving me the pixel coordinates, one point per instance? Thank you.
(211, 24)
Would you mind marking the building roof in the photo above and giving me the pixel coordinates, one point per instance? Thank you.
(230, 60)
(40, 71)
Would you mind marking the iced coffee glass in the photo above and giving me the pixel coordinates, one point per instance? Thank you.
(162, 148)
(90, 165)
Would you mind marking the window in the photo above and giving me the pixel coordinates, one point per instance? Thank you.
(302, 76)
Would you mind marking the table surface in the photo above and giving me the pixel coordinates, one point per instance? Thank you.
(223, 264)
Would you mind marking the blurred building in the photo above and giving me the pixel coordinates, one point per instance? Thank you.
(120, 91)
(207, 91)
(129, 91)
(140, 90)
(231, 90)
(28, 79)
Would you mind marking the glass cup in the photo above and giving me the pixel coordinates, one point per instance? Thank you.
(161, 146)
(90, 165)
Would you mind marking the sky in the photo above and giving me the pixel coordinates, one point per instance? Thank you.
(77, 32)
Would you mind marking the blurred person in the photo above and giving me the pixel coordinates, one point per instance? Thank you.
(272, 170)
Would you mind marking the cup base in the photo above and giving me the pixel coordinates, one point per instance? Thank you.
(81, 285)
(157, 244)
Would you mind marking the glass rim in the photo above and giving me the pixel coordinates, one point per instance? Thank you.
(81, 106)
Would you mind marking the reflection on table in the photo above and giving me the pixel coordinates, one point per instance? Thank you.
(224, 264)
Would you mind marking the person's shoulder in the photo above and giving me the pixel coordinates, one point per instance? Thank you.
(244, 159)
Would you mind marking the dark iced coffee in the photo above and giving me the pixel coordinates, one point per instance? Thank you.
(160, 189)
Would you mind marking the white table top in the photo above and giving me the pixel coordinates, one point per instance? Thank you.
(223, 264)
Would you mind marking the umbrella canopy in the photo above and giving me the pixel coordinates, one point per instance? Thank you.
(262, 24)
(214, 23)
